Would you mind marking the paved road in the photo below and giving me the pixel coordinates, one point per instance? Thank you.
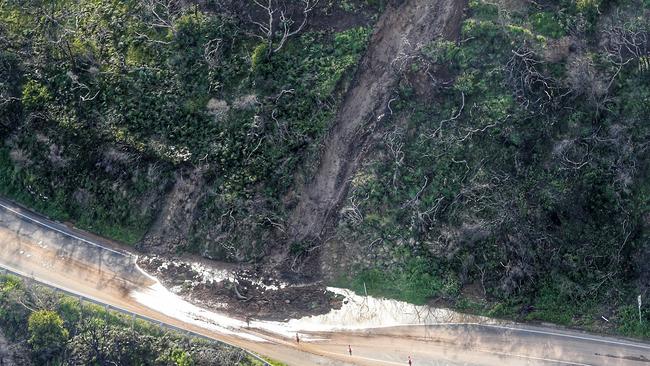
(104, 271)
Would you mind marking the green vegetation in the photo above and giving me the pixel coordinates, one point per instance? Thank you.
(511, 181)
(59, 330)
(413, 283)
(270, 361)
(105, 104)
(519, 188)
(352, 6)
(46, 334)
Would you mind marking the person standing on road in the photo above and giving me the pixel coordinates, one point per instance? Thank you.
(297, 339)
(350, 349)
(410, 361)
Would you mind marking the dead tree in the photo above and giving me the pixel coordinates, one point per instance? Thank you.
(212, 52)
(163, 13)
(279, 21)
(394, 144)
(159, 15)
(352, 212)
(86, 93)
(532, 87)
(5, 98)
(625, 43)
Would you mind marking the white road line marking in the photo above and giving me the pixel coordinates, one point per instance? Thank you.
(62, 232)
(129, 312)
(361, 357)
(601, 340)
(478, 350)
(52, 285)
(475, 349)
(533, 358)
(618, 343)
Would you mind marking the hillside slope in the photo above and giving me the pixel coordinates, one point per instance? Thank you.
(366, 104)
(513, 181)
(486, 155)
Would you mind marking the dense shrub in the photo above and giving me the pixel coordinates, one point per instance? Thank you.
(510, 178)
(59, 330)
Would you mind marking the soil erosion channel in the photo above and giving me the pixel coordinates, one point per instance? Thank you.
(400, 28)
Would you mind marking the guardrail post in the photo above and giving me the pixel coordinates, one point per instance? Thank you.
(82, 299)
(81, 307)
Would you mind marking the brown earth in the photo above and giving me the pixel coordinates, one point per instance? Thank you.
(178, 208)
(404, 25)
(171, 229)
(44, 253)
(34, 251)
(246, 295)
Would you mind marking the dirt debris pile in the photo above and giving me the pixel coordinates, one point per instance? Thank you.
(240, 291)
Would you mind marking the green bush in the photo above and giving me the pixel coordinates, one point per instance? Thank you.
(480, 184)
(260, 55)
(628, 318)
(413, 283)
(47, 334)
(143, 94)
(35, 95)
(86, 334)
(546, 24)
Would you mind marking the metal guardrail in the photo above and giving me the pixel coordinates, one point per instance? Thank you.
(4, 203)
(5, 270)
(53, 228)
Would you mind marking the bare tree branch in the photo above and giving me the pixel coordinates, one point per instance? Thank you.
(278, 21)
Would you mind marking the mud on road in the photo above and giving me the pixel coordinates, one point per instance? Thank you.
(376, 328)
(245, 293)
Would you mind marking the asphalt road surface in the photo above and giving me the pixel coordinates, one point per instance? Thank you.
(81, 263)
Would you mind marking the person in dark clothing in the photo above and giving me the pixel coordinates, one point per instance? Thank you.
(350, 349)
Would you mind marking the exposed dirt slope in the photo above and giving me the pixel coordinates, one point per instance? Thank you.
(402, 25)
(171, 229)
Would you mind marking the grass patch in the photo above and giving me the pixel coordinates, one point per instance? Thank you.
(412, 284)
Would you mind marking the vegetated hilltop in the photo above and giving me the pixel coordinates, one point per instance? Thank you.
(507, 173)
